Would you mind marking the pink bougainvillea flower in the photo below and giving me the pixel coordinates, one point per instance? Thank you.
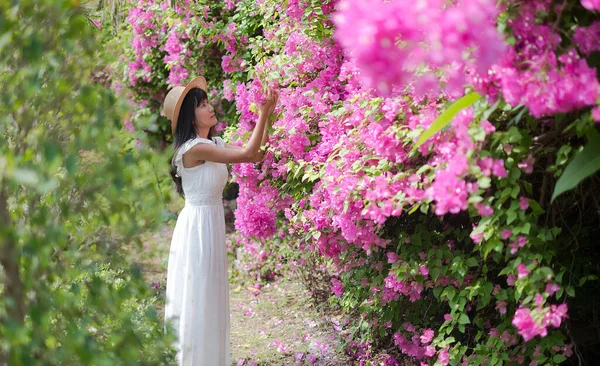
(506, 233)
(591, 4)
(527, 164)
(596, 114)
(427, 336)
(551, 288)
(522, 271)
(337, 287)
(523, 203)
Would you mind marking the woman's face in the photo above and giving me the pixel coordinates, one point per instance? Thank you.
(205, 115)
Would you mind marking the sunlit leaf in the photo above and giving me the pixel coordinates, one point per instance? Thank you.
(448, 115)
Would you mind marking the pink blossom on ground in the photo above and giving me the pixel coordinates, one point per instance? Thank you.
(280, 346)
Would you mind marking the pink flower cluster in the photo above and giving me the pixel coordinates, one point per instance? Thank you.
(419, 346)
(531, 323)
(536, 74)
(591, 4)
(175, 59)
(337, 287)
(587, 38)
(398, 42)
(233, 41)
(255, 207)
(146, 34)
(343, 159)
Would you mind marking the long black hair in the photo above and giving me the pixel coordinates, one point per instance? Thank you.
(185, 129)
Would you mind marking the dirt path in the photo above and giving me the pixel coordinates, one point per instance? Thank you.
(278, 325)
(275, 324)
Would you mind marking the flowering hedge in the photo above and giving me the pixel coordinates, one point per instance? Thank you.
(428, 150)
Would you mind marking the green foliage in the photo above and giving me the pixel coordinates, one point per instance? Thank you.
(584, 164)
(74, 190)
(447, 115)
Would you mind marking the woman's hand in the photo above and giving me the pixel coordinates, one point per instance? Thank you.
(258, 157)
(268, 107)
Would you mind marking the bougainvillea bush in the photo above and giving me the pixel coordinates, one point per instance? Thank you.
(440, 156)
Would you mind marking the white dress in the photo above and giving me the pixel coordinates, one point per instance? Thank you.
(197, 285)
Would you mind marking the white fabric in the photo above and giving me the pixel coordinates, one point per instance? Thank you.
(197, 285)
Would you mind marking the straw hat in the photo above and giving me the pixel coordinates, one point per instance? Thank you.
(175, 97)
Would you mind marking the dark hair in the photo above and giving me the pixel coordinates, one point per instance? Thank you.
(185, 129)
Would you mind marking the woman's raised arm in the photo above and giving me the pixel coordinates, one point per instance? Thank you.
(249, 153)
(265, 136)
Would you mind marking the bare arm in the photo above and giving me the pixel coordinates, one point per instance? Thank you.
(259, 154)
(204, 152)
(265, 134)
(263, 142)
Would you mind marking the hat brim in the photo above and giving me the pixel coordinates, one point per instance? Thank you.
(198, 82)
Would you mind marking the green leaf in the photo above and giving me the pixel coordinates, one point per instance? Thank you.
(584, 164)
(449, 292)
(436, 291)
(447, 116)
(435, 273)
(464, 319)
(559, 358)
(472, 262)
(511, 216)
(536, 208)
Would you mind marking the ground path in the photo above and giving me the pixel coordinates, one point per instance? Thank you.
(277, 324)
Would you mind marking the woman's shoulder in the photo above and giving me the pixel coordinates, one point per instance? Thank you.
(195, 141)
(218, 141)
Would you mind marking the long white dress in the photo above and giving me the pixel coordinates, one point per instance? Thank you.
(197, 284)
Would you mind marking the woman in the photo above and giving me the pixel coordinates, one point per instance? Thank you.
(197, 287)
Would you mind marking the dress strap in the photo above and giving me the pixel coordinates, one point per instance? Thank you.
(178, 158)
